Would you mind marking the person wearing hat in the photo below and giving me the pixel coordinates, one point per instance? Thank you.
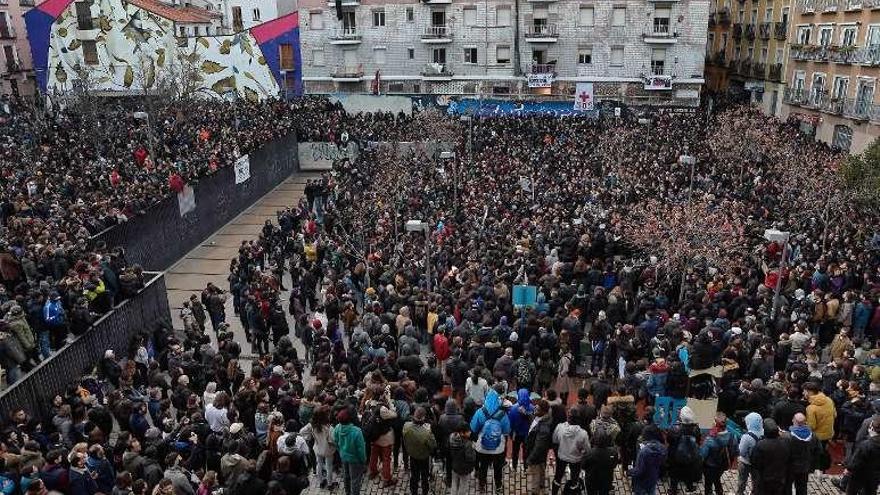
(684, 458)
(420, 443)
(718, 453)
(651, 456)
(770, 460)
(349, 439)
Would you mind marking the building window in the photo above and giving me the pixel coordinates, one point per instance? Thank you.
(616, 56)
(754, 17)
(502, 54)
(470, 55)
(723, 41)
(817, 90)
(84, 16)
(585, 55)
(661, 20)
(396, 87)
(864, 96)
(658, 61)
(586, 16)
(285, 54)
(90, 52)
(379, 18)
(195, 31)
(502, 16)
(768, 14)
(618, 17)
(825, 34)
(316, 21)
(842, 137)
(840, 88)
(182, 30)
(256, 15)
(710, 43)
(764, 53)
(237, 24)
(780, 52)
(411, 53)
(737, 52)
(470, 16)
(349, 21)
(438, 56)
(848, 35)
(379, 55)
(318, 57)
(410, 14)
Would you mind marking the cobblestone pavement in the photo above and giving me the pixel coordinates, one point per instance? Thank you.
(515, 484)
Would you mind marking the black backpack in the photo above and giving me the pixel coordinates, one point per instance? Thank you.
(373, 424)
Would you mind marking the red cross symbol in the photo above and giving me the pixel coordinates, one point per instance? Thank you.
(584, 97)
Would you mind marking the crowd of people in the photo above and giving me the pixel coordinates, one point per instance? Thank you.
(416, 353)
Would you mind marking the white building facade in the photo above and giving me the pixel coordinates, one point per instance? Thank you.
(637, 51)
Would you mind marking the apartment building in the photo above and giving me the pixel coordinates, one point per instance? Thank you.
(746, 50)
(833, 70)
(639, 52)
(16, 70)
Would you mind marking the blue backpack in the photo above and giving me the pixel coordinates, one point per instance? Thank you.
(53, 313)
(491, 434)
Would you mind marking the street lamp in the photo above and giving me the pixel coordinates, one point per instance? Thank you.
(146, 118)
(420, 226)
(774, 235)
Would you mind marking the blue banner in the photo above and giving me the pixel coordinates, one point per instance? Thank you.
(507, 108)
(666, 411)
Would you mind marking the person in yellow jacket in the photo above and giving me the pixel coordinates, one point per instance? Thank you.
(820, 412)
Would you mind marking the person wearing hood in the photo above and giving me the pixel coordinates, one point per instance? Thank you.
(538, 444)
(805, 450)
(349, 440)
(717, 452)
(684, 457)
(420, 443)
(449, 421)
(19, 327)
(492, 427)
(820, 413)
(770, 458)
(864, 465)
(463, 458)
(754, 433)
(520, 417)
(573, 443)
(645, 472)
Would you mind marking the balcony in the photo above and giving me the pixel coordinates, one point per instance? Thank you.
(436, 72)
(437, 2)
(724, 16)
(13, 68)
(852, 5)
(437, 34)
(737, 31)
(860, 109)
(536, 68)
(871, 4)
(347, 74)
(766, 28)
(775, 73)
(345, 36)
(744, 68)
(712, 21)
(810, 53)
(780, 30)
(797, 97)
(345, 3)
(720, 58)
(7, 32)
(807, 6)
(542, 33)
(759, 70)
(750, 32)
(660, 34)
(829, 6)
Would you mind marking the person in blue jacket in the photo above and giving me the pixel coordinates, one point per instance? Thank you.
(520, 416)
(491, 428)
(645, 473)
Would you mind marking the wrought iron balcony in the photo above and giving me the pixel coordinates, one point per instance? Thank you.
(810, 53)
(766, 28)
(437, 71)
(347, 72)
(775, 72)
(759, 70)
(437, 33)
(345, 35)
(737, 31)
(750, 31)
(780, 30)
(542, 32)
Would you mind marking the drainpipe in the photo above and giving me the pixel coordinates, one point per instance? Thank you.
(516, 60)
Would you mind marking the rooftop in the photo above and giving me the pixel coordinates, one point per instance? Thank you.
(188, 14)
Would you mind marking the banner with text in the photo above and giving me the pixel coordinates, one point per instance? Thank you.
(242, 169)
(320, 156)
(542, 80)
(583, 97)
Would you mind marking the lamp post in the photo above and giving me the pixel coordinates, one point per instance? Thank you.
(146, 118)
(774, 235)
(420, 226)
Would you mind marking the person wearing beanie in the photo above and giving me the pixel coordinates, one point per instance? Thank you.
(805, 451)
(419, 442)
(754, 432)
(718, 452)
(651, 456)
(684, 451)
(349, 440)
(770, 459)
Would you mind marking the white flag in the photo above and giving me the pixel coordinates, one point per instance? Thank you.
(583, 97)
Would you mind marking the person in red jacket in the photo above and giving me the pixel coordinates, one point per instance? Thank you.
(441, 348)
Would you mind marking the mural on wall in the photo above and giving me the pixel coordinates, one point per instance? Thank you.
(138, 51)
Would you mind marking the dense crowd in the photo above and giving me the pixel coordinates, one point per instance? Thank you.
(415, 353)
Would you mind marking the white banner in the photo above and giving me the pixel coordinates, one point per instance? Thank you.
(320, 155)
(540, 80)
(242, 169)
(583, 97)
(186, 200)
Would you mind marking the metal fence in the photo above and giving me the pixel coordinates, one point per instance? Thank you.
(144, 312)
(160, 236)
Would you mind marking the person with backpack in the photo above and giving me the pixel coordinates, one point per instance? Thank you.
(685, 462)
(349, 439)
(520, 416)
(538, 444)
(525, 371)
(492, 427)
(463, 458)
(718, 453)
(599, 465)
(377, 422)
(55, 329)
(573, 443)
(420, 443)
(754, 433)
(770, 458)
(651, 455)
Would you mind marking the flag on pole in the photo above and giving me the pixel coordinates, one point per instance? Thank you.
(583, 97)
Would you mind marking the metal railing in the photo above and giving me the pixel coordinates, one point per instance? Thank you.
(853, 108)
(737, 31)
(712, 20)
(720, 58)
(536, 68)
(775, 72)
(437, 32)
(346, 33)
(869, 55)
(759, 70)
(348, 72)
(13, 67)
(750, 31)
(810, 53)
(144, 312)
(7, 32)
(437, 70)
(780, 30)
(542, 31)
(766, 28)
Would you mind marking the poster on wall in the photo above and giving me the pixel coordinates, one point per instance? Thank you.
(583, 97)
(242, 169)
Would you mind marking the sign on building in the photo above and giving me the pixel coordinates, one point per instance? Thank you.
(544, 80)
(583, 97)
(658, 83)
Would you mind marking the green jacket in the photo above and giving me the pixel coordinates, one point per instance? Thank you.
(349, 439)
(418, 440)
(19, 327)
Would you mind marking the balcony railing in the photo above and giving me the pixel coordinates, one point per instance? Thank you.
(712, 21)
(854, 108)
(437, 32)
(812, 6)
(780, 30)
(436, 70)
(737, 31)
(766, 28)
(542, 31)
(348, 72)
(775, 72)
(838, 54)
(7, 32)
(759, 70)
(724, 16)
(810, 53)
(851, 5)
(346, 34)
(720, 58)
(750, 31)
(13, 67)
